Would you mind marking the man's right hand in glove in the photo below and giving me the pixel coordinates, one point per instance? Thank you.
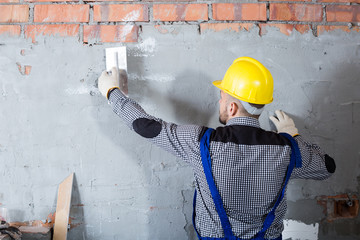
(108, 81)
(284, 123)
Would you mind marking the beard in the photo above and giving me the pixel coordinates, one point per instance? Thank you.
(223, 117)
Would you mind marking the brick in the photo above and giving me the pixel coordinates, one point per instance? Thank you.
(14, 13)
(111, 33)
(341, 13)
(62, 30)
(11, 30)
(24, 70)
(112, 0)
(61, 13)
(339, 206)
(9, 1)
(296, 12)
(239, 11)
(338, 1)
(322, 29)
(218, 27)
(27, 69)
(121, 12)
(169, 1)
(286, 29)
(287, 0)
(180, 12)
(302, 28)
(49, 0)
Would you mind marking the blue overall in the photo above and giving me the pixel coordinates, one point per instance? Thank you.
(295, 161)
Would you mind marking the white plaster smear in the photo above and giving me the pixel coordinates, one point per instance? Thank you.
(132, 16)
(148, 45)
(157, 77)
(80, 90)
(146, 48)
(126, 31)
(295, 230)
(349, 103)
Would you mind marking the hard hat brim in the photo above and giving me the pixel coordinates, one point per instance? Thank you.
(217, 84)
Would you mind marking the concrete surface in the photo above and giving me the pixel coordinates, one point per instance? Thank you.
(53, 122)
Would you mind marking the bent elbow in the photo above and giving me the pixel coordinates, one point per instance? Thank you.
(330, 164)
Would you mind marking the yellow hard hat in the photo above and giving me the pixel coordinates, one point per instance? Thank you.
(248, 80)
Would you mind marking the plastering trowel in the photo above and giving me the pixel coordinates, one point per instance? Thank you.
(116, 57)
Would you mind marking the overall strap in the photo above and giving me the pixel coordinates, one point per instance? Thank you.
(206, 162)
(295, 161)
(295, 151)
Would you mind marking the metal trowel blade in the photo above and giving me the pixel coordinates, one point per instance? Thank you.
(116, 57)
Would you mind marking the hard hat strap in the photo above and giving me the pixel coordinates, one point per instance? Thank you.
(252, 110)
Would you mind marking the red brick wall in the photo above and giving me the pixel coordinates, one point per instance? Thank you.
(121, 20)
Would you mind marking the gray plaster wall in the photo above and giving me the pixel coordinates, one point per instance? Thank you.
(54, 121)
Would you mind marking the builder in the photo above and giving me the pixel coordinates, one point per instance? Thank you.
(240, 170)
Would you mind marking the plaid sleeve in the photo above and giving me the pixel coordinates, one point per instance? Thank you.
(180, 140)
(315, 163)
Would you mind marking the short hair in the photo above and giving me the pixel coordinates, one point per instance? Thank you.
(241, 107)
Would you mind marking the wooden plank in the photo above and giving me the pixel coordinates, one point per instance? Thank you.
(5, 237)
(63, 208)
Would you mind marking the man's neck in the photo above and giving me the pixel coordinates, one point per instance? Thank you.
(239, 114)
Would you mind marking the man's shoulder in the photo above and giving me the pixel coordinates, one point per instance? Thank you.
(247, 135)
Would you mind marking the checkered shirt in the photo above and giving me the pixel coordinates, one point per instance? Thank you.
(248, 171)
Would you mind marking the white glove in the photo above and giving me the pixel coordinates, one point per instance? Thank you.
(108, 81)
(284, 123)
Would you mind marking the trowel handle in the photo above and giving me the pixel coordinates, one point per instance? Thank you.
(123, 81)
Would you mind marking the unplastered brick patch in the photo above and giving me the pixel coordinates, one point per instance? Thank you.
(135, 1)
(322, 29)
(306, 1)
(47, 0)
(14, 13)
(341, 13)
(340, 206)
(62, 30)
(99, 21)
(338, 1)
(9, 1)
(239, 11)
(296, 12)
(120, 12)
(61, 13)
(180, 12)
(11, 30)
(24, 70)
(169, 0)
(112, 33)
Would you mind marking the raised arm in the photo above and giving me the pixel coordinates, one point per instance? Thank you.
(180, 140)
(316, 164)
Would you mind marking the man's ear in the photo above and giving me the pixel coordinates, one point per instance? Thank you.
(233, 109)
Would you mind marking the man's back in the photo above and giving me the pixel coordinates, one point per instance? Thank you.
(248, 166)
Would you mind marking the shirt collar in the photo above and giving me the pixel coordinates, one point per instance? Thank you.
(247, 121)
